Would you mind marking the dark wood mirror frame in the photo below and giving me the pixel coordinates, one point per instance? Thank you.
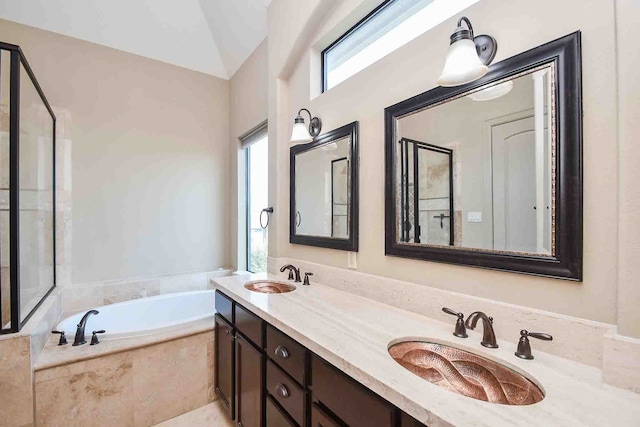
(566, 263)
(350, 243)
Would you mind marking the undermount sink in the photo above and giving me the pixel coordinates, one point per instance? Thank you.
(465, 373)
(269, 287)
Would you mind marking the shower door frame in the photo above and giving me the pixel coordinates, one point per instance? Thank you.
(18, 58)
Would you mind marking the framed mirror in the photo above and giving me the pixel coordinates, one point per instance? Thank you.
(324, 190)
(489, 174)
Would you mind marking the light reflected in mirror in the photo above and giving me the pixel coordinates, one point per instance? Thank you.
(478, 171)
(322, 190)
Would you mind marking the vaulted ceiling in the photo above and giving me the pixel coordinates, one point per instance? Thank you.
(210, 36)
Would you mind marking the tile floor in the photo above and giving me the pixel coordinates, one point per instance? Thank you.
(211, 415)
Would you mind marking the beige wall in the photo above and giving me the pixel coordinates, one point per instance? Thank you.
(627, 15)
(248, 108)
(149, 160)
(414, 68)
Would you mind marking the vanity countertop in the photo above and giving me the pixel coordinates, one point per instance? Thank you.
(353, 333)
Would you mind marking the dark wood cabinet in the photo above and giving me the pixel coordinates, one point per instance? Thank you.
(277, 417)
(320, 418)
(249, 384)
(349, 400)
(267, 379)
(224, 364)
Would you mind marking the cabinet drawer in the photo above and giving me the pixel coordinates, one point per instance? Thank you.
(224, 306)
(319, 418)
(276, 417)
(287, 353)
(347, 399)
(286, 392)
(250, 325)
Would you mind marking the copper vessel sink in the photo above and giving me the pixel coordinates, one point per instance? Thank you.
(466, 373)
(269, 287)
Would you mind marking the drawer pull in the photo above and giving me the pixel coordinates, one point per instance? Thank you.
(282, 352)
(281, 390)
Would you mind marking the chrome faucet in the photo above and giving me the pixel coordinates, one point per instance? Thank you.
(79, 339)
(292, 270)
(488, 334)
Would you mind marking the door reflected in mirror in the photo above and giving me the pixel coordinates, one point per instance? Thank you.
(478, 171)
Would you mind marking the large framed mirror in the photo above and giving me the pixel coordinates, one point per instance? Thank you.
(489, 174)
(324, 190)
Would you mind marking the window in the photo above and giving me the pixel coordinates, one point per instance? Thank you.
(257, 179)
(391, 25)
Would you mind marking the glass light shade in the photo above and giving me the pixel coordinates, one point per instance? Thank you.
(300, 133)
(492, 92)
(462, 65)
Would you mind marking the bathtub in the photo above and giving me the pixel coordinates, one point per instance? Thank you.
(144, 316)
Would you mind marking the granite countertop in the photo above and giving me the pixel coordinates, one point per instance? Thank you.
(353, 333)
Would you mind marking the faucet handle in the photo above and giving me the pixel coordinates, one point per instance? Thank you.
(290, 274)
(538, 335)
(306, 279)
(460, 330)
(524, 347)
(63, 337)
(94, 336)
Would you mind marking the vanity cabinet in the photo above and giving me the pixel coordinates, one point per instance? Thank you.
(249, 383)
(224, 364)
(239, 362)
(267, 379)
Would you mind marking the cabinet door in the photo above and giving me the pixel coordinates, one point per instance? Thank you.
(224, 361)
(249, 384)
(276, 417)
(321, 419)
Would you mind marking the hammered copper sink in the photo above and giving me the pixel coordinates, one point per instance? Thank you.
(465, 373)
(269, 287)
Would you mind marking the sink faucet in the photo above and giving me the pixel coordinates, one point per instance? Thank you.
(488, 335)
(79, 339)
(292, 270)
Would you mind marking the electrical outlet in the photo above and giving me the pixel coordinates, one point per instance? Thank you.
(352, 261)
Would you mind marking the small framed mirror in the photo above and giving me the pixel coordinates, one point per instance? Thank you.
(489, 174)
(324, 190)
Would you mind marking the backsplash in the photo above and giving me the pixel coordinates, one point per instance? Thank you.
(573, 338)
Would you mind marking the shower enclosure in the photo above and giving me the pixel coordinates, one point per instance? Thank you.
(27, 191)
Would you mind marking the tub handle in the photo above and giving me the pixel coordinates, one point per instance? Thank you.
(94, 336)
(63, 337)
(282, 391)
(282, 352)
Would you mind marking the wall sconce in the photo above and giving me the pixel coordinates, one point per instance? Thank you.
(468, 56)
(300, 134)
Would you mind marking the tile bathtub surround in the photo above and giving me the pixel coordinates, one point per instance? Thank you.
(89, 295)
(573, 338)
(140, 387)
(16, 382)
(18, 354)
(353, 333)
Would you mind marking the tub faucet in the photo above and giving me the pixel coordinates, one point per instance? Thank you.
(292, 270)
(488, 334)
(79, 339)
